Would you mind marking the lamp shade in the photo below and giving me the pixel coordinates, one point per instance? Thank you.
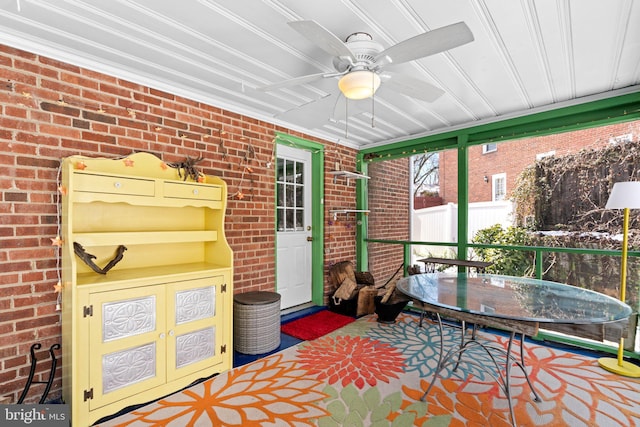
(624, 195)
(359, 84)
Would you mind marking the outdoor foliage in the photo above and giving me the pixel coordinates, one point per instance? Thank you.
(570, 192)
(425, 173)
(560, 202)
(508, 262)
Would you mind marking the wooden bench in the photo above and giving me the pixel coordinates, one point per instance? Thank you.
(430, 264)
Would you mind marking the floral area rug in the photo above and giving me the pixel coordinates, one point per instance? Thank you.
(372, 374)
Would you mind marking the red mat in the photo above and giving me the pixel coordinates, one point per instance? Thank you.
(316, 325)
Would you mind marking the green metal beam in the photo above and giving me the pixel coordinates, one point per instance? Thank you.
(564, 119)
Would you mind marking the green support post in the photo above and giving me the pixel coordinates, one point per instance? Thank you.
(463, 198)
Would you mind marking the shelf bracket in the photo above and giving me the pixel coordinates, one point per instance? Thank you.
(335, 212)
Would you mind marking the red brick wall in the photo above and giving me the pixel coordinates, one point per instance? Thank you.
(421, 202)
(389, 198)
(51, 110)
(512, 157)
(340, 233)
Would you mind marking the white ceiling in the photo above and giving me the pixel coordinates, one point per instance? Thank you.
(528, 55)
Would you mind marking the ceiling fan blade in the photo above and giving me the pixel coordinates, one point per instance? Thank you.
(426, 44)
(331, 108)
(322, 37)
(413, 88)
(312, 114)
(294, 82)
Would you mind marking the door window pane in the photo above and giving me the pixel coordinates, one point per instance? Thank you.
(290, 218)
(299, 173)
(299, 198)
(280, 219)
(280, 170)
(290, 195)
(280, 195)
(299, 219)
(290, 170)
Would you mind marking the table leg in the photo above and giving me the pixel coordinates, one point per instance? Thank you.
(463, 325)
(429, 267)
(503, 380)
(441, 363)
(523, 367)
(507, 380)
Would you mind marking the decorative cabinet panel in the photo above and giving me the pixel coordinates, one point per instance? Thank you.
(153, 312)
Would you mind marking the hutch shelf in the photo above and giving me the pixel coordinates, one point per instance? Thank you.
(160, 318)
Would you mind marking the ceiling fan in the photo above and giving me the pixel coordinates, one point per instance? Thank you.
(359, 61)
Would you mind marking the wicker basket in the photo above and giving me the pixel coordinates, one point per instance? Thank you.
(256, 322)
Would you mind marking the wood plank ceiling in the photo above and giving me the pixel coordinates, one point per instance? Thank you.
(526, 56)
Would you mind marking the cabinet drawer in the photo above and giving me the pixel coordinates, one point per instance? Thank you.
(192, 191)
(114, 185)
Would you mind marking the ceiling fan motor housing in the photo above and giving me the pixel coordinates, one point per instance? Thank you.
(364, 49)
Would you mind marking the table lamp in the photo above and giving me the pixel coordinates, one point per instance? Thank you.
(624, 195)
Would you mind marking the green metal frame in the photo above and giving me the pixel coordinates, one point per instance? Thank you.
(317, 210)
(362, 219)
(590, 114)
(601, 112)
(566, 119)
(539, 256)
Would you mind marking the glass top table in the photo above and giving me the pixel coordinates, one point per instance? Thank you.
(515, 304)
(514, 298)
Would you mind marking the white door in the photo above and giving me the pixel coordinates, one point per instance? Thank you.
(293, 224)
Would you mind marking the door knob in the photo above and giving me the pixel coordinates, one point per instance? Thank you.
(309, 239)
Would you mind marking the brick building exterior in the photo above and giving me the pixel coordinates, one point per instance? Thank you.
(51, 110)
(389, 199)
(511, 157)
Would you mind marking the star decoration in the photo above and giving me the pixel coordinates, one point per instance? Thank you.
(131, 113)
(250, 170)
(80, 166)
(57, 241)
(57, 288)
(26, 95)
(63, 190)
(202, 178)
(128, 163)
(163, 166)
(240, 195)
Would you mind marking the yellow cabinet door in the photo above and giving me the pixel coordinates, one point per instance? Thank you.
(127, 343)
(195, 314)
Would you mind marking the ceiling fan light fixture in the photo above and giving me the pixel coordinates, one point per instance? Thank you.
(359, 84)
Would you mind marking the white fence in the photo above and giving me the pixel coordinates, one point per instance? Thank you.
(440, 224)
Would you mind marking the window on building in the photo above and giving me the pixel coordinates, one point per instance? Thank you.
(489, 148)
(621, 139)
(541, 156)
(499, 186)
